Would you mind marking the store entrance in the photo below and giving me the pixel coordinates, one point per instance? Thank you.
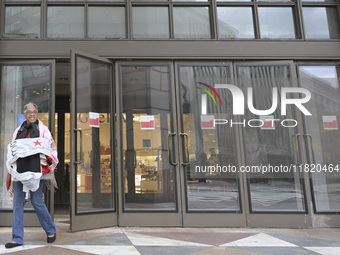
(196, 138)
(227, 143)
(169, 151)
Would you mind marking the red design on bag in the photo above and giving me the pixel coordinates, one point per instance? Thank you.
(46, 169)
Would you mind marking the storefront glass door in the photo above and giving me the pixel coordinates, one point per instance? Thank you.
(148, 160)
(275, 188)
(215, 144)
(207, 151)
(23, 82)
(240, 145)
(229, 155)
(92, 131)
(321, 137)
(271, 145)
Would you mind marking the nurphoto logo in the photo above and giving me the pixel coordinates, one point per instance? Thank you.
(238, 106)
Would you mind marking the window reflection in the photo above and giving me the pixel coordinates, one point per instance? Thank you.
(272, 191)
(106, 22)
(21, 0)
(233, 1)
(326, 26)
(150, 22)
(208, 146)
(150, 0)
(149, 179)
(22, 22)
(107, 0)
(235, 22)
(93, 136)
(65, 22)
(20, 84)
(190, 0)
(276, 23)
(326, 1)
(191, 22)
(323, 83)
(272, 1)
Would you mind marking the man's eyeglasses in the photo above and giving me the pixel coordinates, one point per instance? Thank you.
(31, 113)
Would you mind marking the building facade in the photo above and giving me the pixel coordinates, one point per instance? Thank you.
(202, 113)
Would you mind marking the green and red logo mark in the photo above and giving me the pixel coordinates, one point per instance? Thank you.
(209, 93)
(204, 96)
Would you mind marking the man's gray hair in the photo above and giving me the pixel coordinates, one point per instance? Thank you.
(30, 104)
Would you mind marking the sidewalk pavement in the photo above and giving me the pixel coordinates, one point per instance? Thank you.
(179, 241)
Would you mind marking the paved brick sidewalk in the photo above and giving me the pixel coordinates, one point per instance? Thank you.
(179, 241)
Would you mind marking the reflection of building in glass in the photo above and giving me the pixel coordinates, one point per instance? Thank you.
(23, 22)
(228, 30)
(325, 102)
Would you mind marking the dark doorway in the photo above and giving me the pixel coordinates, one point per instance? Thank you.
(62, 109)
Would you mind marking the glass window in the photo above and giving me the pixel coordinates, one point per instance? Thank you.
(276, 23)
(192, 22)
(233, 1)
(323, 140)
(150, 22)
(274, 1)
(86, 0)
(22, 21)
(235, 22)
(106, 22)
(327, 1)
(270, 144)
(150, 0)
(190, 0)
(65, 22)
(321, 23)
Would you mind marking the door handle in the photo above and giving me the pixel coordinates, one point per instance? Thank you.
(311, 146)
(170, 149)
(292, 140)
(186, 144)
(295, 142)
(135, 159)
(81, 145)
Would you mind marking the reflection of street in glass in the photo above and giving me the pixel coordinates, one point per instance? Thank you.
(213, 195)
(279, 195)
